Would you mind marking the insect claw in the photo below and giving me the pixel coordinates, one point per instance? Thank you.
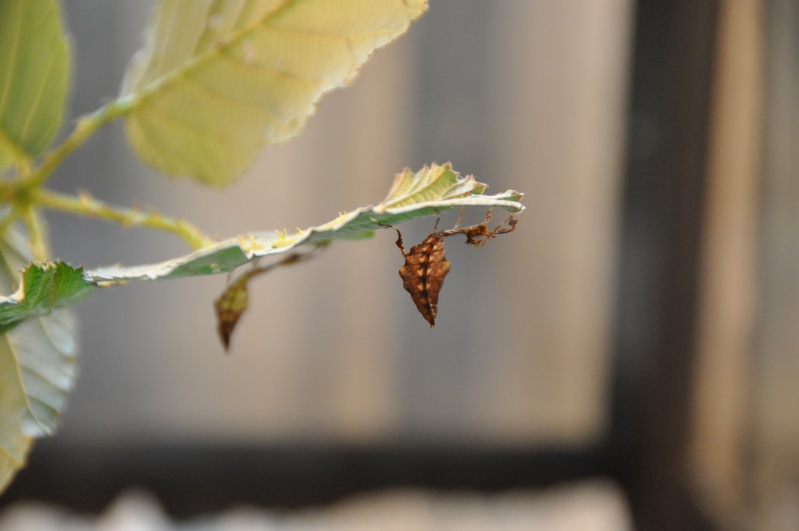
(399, 242)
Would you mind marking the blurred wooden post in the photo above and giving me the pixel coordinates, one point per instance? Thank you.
(659, 288)
(727, 269)
(774, 437)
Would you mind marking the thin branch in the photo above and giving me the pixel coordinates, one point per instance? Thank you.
(12, 214)
(84, 129)
(37, 233)
(86, 205)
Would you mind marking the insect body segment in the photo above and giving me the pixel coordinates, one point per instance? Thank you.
(423, 273)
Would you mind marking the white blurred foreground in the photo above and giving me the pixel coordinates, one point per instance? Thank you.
(594, 506)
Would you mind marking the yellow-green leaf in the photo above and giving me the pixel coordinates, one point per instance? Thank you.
(37, 369)
(34, 77)
(217, 80)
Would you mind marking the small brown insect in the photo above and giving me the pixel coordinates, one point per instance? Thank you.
(426, 266)
(423, 273)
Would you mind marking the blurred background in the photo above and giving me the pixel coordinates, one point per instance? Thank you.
(636, 329)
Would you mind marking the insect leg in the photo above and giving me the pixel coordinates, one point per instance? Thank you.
(509, 225)
(488, 217)
(460, 218)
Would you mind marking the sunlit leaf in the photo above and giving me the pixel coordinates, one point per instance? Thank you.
(34, 77)
(37, 366)
(217, 80)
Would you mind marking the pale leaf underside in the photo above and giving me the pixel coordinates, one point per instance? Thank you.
(216, 81)
(37, 370)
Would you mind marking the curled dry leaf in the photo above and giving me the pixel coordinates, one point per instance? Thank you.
(426, 265)
(235, 300)
(230, 306)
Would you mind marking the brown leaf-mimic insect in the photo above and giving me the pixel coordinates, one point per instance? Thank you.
(423, 273)
(426, 266)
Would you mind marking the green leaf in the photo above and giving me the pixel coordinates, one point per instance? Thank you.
(37, 365)
(34, 77)
(217, 80)
(43, 287)
(428, 192)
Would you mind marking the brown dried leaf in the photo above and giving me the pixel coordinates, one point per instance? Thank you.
(234, 301)
(230, 305)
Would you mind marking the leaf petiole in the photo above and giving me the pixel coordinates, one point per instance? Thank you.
(85, 127)
(86, 205)
(37, 233)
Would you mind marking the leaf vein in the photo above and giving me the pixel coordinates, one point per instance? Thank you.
(38, 99)
(13, 54)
